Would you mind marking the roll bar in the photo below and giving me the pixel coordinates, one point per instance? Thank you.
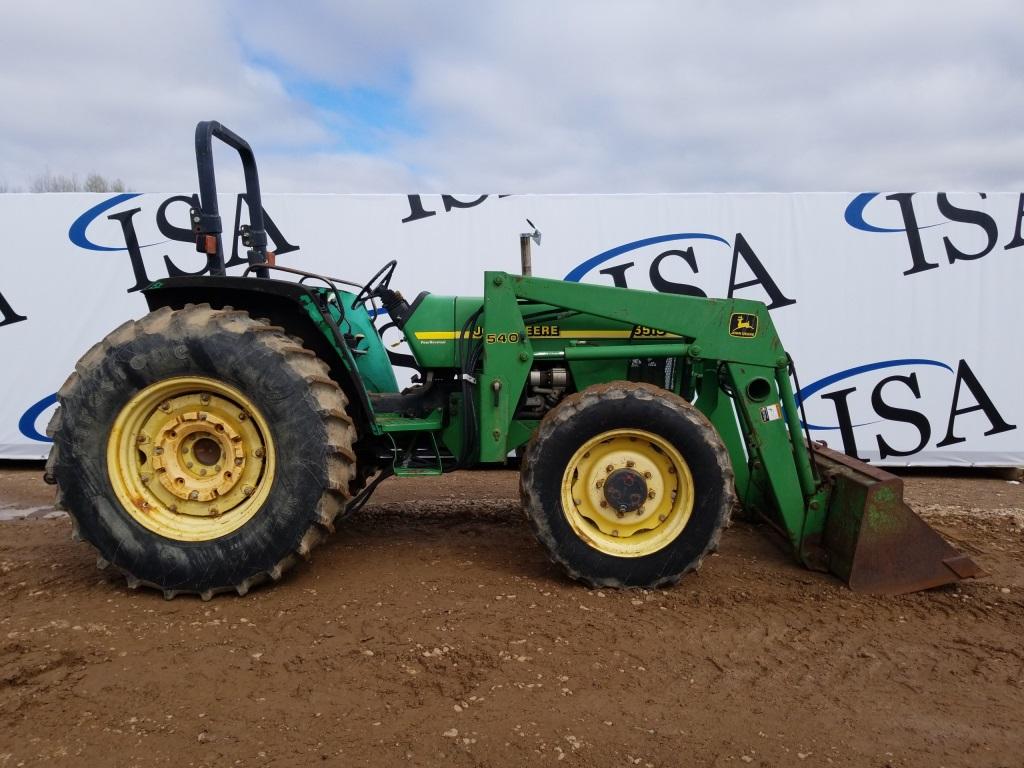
(206, 223)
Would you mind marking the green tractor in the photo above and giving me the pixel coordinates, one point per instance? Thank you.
(207, 446)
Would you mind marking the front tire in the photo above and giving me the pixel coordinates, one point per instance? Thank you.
(627, 485)
(201, 450)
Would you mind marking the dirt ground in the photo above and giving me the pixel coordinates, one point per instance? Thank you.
(431, 630)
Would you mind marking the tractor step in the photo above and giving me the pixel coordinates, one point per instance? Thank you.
(417, 471)
(410, 458)
(394, 422)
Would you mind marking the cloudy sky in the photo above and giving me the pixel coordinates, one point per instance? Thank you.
(525, 96)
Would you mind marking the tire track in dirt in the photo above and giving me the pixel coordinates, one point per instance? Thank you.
(432, 630)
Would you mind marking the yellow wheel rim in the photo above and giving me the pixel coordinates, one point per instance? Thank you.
(627, 492)
(191, 458)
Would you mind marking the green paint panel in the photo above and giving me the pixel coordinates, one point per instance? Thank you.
(370, 355)
(520, 432)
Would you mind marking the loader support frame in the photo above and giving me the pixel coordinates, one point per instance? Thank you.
(741, 376)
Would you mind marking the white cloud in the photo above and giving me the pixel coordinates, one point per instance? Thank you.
(117, 87)
(528, 96)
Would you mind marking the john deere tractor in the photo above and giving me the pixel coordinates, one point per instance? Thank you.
(206, 446)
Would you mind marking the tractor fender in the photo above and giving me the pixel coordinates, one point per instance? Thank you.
(283, 303)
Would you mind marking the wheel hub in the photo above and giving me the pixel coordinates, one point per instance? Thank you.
(198, 456)
(190, 458)
(625, 490)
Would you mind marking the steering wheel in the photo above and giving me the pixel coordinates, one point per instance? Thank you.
(380, 281)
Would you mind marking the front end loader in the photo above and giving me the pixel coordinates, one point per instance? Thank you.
(206, 446)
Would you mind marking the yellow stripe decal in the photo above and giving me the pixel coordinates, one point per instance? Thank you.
(573, 334)
(431, 335)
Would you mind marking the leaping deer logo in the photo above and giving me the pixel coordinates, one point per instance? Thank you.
(743, 325)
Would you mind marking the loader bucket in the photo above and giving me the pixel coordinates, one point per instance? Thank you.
(876, 543)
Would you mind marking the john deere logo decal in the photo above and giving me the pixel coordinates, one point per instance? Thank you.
(743, 325)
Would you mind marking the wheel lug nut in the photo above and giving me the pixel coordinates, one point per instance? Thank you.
(204, 398)
(615, 533)
(140, 439)
(158, 451)
(662, 518)
(214, 511)
(258, 453)
(202, 471)
(173, 508)
(577, 502)
(631, 463)
(647, 475)
(600, 483)
(248, 490)
(145, 479)
(193, 495)
(604, 503)
(203, 415)
(609, 468)
(650, 494)
(238, 461)
(671, 470)
(165, 406)
(242, 416)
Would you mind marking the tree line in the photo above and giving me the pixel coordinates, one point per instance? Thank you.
(50, 182)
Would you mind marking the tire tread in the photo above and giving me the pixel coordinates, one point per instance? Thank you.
(324, 397)
(572, 407)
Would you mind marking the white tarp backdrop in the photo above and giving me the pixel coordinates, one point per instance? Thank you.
(902, 311)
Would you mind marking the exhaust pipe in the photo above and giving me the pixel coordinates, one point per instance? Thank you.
(525, 254)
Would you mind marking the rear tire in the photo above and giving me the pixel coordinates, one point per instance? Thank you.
(201, 450)
(627, 485)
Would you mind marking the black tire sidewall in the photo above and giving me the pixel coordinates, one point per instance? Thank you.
(296, 430)
(687, 431)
